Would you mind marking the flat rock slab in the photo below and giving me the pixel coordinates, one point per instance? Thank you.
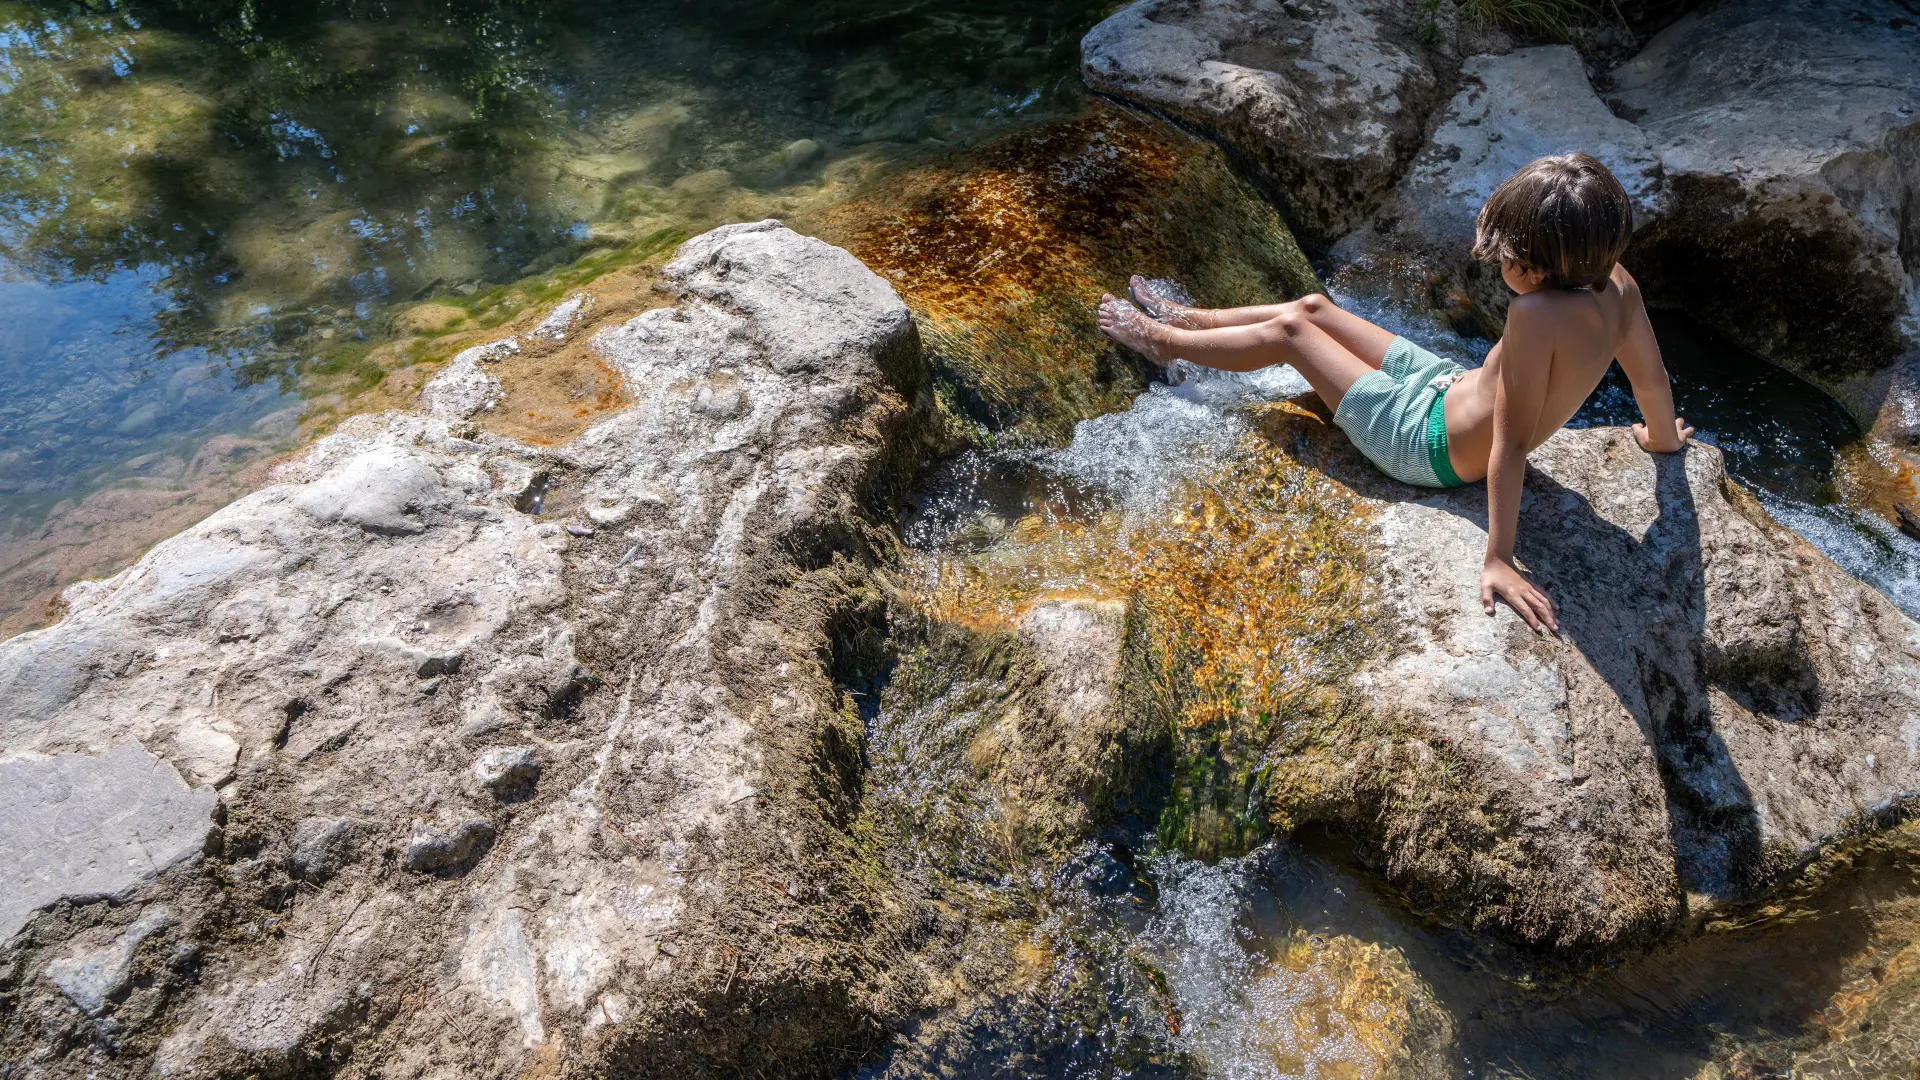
(85, 827)
(1327, 99)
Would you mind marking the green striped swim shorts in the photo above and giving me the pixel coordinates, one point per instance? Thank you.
(1396, 416)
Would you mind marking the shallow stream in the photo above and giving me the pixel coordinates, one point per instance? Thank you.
(1286, 962)
(209, 213)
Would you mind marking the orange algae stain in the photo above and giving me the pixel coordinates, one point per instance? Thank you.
(1876, 476)
(1037, 212)
(1002, 251)
(1340, 1007)
(1262, 568)
(1036, 561)
(1264, 574)
(1251, 595)
(552, 391)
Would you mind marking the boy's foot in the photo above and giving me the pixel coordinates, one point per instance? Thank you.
(1154, 300)
(1126, 324)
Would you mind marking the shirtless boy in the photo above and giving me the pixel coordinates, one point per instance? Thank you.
(1557, 229)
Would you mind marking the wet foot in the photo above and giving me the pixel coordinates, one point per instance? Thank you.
(1127, 325)
(1159, 305)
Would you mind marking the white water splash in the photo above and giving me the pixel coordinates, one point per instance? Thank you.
(1242, 1017)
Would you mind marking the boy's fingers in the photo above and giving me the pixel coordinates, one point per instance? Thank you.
(1522, 605)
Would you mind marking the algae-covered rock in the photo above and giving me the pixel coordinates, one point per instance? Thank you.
(1339, 1006)
(1326, 99)
(335, 652)
(1005, 747)
(1003, 251)
(1789, 138)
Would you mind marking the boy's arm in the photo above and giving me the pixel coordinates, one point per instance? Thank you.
(1525, 364)
(1660, 432)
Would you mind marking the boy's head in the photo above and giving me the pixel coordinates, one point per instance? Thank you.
(1565, 218)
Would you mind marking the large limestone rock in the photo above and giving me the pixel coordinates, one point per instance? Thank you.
(1326, 99)
(517, 752)
(1508, 111)
(1722, 702)
(1788, 132)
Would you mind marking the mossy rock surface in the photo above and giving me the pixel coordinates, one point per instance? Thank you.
(1003, 253)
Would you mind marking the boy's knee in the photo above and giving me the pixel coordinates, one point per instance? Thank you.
(1313, 304)
(1288, 324)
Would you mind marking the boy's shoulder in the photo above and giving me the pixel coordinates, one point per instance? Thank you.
(1548, 307)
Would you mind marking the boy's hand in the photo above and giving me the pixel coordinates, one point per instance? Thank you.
(1499, 579)
(1682, 432)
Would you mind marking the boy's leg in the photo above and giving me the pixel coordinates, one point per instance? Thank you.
(1355, 334)
(1358, 336)
(1188, 317)
(1292, 337)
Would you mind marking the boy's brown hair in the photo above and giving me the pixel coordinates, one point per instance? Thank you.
(1565, 216)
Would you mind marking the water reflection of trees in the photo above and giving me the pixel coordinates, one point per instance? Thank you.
(296, 167)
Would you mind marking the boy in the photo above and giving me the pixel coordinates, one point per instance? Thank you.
(1557, 229)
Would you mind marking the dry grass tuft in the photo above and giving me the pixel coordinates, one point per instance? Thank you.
(1556, 19)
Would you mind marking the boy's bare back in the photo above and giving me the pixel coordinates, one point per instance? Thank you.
(1575, 335)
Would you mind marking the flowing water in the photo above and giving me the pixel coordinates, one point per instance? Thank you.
(209, 212)
(1284, 962)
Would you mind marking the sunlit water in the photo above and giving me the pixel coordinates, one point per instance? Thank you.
(209, 210)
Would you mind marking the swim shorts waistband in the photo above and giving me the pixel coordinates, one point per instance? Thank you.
(1437, 441)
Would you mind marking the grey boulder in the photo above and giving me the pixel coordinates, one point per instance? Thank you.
(1327, 99)
(336, 650)
(1722, 704)
(1788, 133)
(1507, 111)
